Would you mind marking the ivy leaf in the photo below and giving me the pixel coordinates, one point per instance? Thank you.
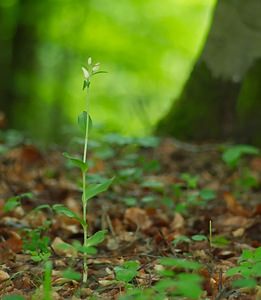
(76, 162)
(61, 209)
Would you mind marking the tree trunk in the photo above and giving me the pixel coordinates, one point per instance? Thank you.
(18, 70)
(221, 99)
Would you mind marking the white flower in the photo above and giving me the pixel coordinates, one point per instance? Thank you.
(96, 67)
(86, 74)
(89, 61)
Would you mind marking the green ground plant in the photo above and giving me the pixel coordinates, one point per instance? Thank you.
(36, 244)
(15, 201)
(188, 194)
(88, 190)
(127, 271)
(232, 155)
(248, 271)
(176, 275)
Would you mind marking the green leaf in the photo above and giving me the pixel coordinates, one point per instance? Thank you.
(207, 194)
(96, 239)
(127, 271)
(257, 254)
(86, 84)
(179, 263)
(40, 257)
(232, 155)
(82, 120)
(99, 72)
(165, 284)
(80, 248)
(233, 271)
(11, 204)
(256, 270)
(61, 209)
(192, 181)
(244, 282)
(219, 241)
(131, 264)
(193, 281)
(199, 237)
(71, 274)
(15, 201)
(76, 162)
(43, 206)
(13, 297)
(246, 255)
(95, 189)
(181, 239)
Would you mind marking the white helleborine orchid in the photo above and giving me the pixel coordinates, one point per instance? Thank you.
(96, 68)
(89, 61)
(86, 73)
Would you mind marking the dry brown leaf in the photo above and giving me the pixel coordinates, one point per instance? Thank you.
(4, 276)
(58, 247)
(12, 241)
(234, 207)
(228, 223)
(238, 232)
(137, 216)
(256, 164)
(257, 211)
(3, 120)
(178, 222)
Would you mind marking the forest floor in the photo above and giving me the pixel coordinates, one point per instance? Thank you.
(178, 218)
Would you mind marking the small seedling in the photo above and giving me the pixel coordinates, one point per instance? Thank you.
(190, 180)
(15, 201)
(246, 181)
(173, 284)
(249, 269)
(232, 155)
(127, 271)
(37, 245)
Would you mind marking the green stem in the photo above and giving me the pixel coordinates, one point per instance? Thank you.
(84, 202)
(47, 284)
(210, 233)
(86, 129)
(85, 228)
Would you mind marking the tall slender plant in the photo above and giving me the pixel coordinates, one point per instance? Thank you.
(88, 190)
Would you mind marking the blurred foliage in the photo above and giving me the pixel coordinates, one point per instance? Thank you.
(148, 49)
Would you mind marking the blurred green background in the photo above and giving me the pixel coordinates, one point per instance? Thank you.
(148, 48)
